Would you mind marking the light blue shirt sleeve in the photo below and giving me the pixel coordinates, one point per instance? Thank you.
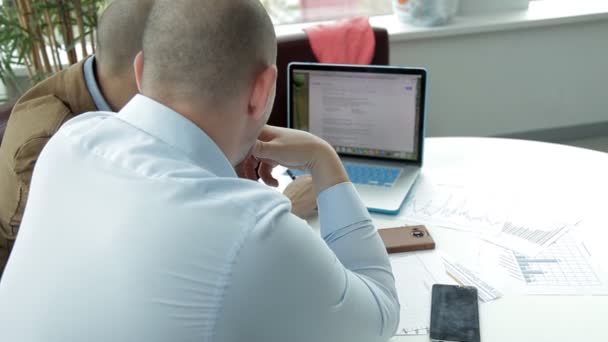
(336, 288)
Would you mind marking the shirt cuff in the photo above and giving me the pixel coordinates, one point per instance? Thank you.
(339, 207)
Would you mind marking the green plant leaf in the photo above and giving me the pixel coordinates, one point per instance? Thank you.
(16, 43)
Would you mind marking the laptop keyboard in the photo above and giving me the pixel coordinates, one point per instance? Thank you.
(367, 174)
(372, 174)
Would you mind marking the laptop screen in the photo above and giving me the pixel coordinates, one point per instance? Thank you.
(361, 111)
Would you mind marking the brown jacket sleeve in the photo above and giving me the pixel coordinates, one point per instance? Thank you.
(29, 128)
(35, 119)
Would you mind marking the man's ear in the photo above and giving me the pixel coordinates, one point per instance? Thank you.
(138, 66)
(262, 92)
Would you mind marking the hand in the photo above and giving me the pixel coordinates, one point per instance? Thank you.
(300, 150)
(252, 168)
(302, 196)
(248, 168)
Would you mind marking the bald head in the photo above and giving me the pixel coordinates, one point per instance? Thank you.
(120, 33)
(206, 49)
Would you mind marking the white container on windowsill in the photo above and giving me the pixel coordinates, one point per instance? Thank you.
(473, 7)
(425, 12)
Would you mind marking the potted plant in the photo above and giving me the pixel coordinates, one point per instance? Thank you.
(41, 37)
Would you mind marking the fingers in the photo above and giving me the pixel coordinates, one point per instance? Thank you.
(248, 168)
(251, 169)
(265, 150)
(290, 148)
(265, 172)
(268, 133)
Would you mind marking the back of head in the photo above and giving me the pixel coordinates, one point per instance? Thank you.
(120, 33)
(205, 50)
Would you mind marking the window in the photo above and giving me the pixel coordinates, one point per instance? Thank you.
(296, 11)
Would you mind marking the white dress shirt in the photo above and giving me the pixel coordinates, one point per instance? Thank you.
(137, 229)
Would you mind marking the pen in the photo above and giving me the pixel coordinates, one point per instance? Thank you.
(291, 175)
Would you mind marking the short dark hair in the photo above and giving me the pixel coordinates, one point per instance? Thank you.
(206, 49)
(120, 33)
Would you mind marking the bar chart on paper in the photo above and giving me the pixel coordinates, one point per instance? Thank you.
(536, 236)
(530, 239)
(564, 268)
(535, 222)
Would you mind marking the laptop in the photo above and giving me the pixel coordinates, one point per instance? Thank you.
(374, 118)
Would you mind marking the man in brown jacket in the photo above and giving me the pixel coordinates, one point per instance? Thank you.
(102, 82)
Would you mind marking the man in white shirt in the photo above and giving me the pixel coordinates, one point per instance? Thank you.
(153, 236)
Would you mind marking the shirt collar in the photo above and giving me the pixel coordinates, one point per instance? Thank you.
(174, 129)
(93, 87)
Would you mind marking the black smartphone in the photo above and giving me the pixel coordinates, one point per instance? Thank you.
(454, 314)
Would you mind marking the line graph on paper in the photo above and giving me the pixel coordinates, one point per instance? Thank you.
(415, 273)
(455, 207)
(517, 221)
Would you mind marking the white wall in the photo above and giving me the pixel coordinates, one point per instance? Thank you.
(513, 81)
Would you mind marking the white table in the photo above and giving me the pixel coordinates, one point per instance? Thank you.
(578, 177)
(573, 176)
